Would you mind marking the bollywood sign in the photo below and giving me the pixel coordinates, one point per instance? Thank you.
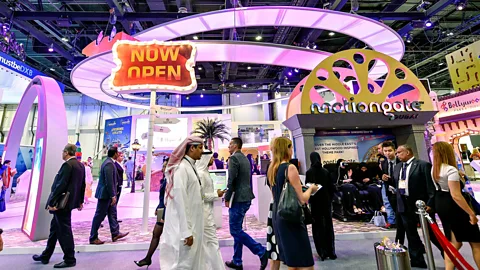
(459, 105)
(166, 66)
(386, 108)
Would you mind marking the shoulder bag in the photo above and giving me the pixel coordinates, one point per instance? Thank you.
(471, 201)
(289, 208)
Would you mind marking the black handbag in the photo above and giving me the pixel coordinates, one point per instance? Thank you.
(471, 201)
(62, 201)
(289, 208)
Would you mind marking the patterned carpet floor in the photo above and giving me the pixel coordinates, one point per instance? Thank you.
(81, 231)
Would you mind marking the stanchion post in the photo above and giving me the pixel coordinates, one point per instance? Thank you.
(422, 212)
(148, 172)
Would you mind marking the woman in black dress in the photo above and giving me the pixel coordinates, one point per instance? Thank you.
(363, 179)
(158, 229)
(292, 237)
(458, 219)
(321, 206)
(350, 196)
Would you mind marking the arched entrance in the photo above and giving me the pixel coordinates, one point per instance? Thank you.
(50, 139)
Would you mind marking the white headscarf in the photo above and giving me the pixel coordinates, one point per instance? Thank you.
(202, 164)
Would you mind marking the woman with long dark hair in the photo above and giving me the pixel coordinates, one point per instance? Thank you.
(321, 206)
(158, 229)
(343, 181)
(458, 218)
(292, 237)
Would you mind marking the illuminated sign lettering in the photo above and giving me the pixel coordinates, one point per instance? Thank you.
(385, 107)
(167, 66)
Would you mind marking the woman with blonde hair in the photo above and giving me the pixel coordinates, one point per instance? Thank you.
(475, 154)
(292, 237)
(458, 218)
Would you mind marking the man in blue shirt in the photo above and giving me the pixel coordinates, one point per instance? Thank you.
(129, 167)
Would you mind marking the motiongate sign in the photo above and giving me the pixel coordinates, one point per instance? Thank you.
(167, 66)
(385, 107)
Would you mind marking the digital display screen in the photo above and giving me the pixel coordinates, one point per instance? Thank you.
(220, 179)
(34, 185)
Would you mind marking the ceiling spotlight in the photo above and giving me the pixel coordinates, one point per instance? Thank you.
(314, 46)
(308, 46)
(50, 49)
(178, 96)
(258, 95)
(258, 38)
(452, 92)
(195, 37)
(201, 95)
(65, 39)
(203, 89)
(331, 34)
(289, 73)
(460, 4)
(296, 70)
(187, 97)
(200, 68)
(408, 38)
(238, 95)
(440, 64)
(244, 86)
(249, 67)
(428, 23)
(450, 34)
(52, 69)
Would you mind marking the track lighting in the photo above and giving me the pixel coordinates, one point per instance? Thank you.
(50, 49)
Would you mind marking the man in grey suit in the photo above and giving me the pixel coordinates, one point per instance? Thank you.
(239, 173)
(107, 198)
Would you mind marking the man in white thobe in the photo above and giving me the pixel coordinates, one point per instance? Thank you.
(213, 257)
(182, 238)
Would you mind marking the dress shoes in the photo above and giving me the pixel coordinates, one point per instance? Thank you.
(40, 258)
(332, 256)
(119, 236)
(64, 265)
(97, 242)
(232, 265)
(264, 261)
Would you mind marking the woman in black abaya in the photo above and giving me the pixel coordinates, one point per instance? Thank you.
(321, 207)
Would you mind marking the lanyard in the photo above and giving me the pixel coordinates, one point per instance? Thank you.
(193, 167)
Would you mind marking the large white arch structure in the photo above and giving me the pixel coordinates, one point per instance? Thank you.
(50, 139)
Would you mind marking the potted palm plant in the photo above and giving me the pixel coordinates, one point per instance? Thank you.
(210, 129)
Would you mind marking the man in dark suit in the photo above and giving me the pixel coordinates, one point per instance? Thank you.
(120, 171)
(107, 198)
(239, 173)
(389, 191)
(414, 182)
(71, 179)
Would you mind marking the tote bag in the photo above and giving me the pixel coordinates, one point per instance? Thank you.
(289, 207)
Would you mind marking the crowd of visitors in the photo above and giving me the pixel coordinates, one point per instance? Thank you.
(185, 229)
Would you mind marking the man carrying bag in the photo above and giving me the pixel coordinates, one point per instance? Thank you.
(68, 191)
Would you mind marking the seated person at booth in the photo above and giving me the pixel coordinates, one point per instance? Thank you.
(363, 179)
(350, 196)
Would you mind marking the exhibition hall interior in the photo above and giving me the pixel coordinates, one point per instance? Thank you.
(319, 134)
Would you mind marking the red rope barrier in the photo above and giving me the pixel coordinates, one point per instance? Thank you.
(450, 250)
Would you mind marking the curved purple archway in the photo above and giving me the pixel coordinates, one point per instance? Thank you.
(50, 139)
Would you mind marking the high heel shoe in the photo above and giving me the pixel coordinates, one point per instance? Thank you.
(143, 262)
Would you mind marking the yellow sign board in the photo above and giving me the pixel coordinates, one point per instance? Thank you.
(464, 67)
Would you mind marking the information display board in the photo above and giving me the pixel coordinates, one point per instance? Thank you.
(220, 179)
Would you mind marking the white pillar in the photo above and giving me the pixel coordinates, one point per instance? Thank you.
(148, 176)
